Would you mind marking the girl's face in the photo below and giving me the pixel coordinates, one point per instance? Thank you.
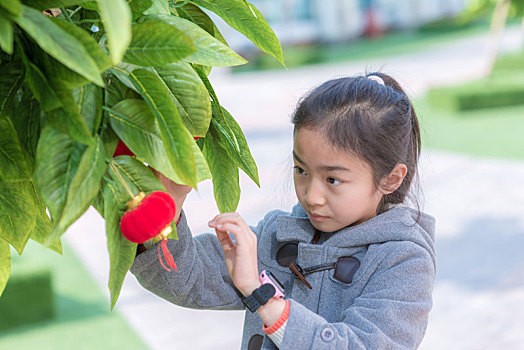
(334, 187)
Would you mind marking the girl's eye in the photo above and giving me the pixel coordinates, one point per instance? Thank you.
(299, 170)
(333, 181)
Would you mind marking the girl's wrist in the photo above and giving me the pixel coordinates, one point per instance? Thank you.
(248, 290)
(271, 311)
(179, 202)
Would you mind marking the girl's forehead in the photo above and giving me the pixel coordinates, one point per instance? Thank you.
(314, 149)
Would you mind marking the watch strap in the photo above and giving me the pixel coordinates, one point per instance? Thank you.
(259, 297)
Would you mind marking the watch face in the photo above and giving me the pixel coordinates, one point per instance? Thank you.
(275, 280)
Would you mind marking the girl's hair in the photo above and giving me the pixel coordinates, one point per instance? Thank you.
(375, 122)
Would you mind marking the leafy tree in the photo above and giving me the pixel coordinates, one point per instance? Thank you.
(501, 10)
(78, 75)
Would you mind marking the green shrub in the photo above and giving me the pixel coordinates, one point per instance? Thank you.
(499, 91)
(27, 298)
(77, 80)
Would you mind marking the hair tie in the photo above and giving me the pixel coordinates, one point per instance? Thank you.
(377, 79)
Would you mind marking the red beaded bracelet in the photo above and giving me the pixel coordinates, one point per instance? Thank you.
(283, 318)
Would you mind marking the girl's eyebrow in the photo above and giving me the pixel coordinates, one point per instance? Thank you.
(323, 167)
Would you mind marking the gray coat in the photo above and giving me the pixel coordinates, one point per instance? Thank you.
(386, 306)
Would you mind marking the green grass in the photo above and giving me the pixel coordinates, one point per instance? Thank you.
(28, 297)
(83, 319)
(493, 132)
(504, 87)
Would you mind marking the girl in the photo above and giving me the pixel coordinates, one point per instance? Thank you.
(356, 269)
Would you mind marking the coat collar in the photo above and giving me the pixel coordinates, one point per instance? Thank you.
(394, 225)
(295, 227)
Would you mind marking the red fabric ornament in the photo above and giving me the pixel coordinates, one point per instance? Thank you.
(149, 218)
(122, 150)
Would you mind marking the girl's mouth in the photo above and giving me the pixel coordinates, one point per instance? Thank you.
(316, 217)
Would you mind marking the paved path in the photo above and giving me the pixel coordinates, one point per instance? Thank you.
(478, 203)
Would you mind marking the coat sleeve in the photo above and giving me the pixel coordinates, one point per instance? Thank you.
(391, 313)
(201, 281)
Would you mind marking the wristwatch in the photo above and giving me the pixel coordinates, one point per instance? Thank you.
(270, 288)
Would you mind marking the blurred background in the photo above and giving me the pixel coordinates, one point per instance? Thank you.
(462, 64)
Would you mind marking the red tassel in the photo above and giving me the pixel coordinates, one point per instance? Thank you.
(167, 255)
(160, 260)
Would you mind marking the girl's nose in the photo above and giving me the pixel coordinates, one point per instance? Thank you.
(314, 194)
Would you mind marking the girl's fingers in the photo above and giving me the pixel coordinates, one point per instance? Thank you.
(235, 230)
(226, 217)
(235, 224)
(225, 240)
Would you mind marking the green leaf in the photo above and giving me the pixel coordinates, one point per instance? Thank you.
(88, 99)
(6, 34)
(58, 43)
(226, 186)
(194, 14)
(5, 264)
(137, 177)
(13, 165)
(176, 138)
(69, 121)
(13, 7)
(26, 123)
(235, 144)
(136, 125)
(122, 71)
(17, 213)
(116, 17)
(117, 91)
(58, 75)
(90, 5)
(25, 117)
(108, 136)
(230, 134)
(11, 78)
(102, 60)
(139, 6)
(191, 96)
(61, 81)
(245, 18)
(49, 4)
(98, 203)
(57, 159)
(83, 188)
(40, 87)
(43, 227)
(157, 43)
(121, 251)
(210, 51)
(159, 6)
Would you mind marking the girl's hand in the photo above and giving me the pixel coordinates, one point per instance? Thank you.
(241, 258)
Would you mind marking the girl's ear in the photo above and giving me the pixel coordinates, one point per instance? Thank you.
(391, 182)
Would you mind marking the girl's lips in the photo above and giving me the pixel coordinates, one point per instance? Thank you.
(317, 217)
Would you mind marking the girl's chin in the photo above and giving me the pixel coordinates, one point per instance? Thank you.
(324, 226)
